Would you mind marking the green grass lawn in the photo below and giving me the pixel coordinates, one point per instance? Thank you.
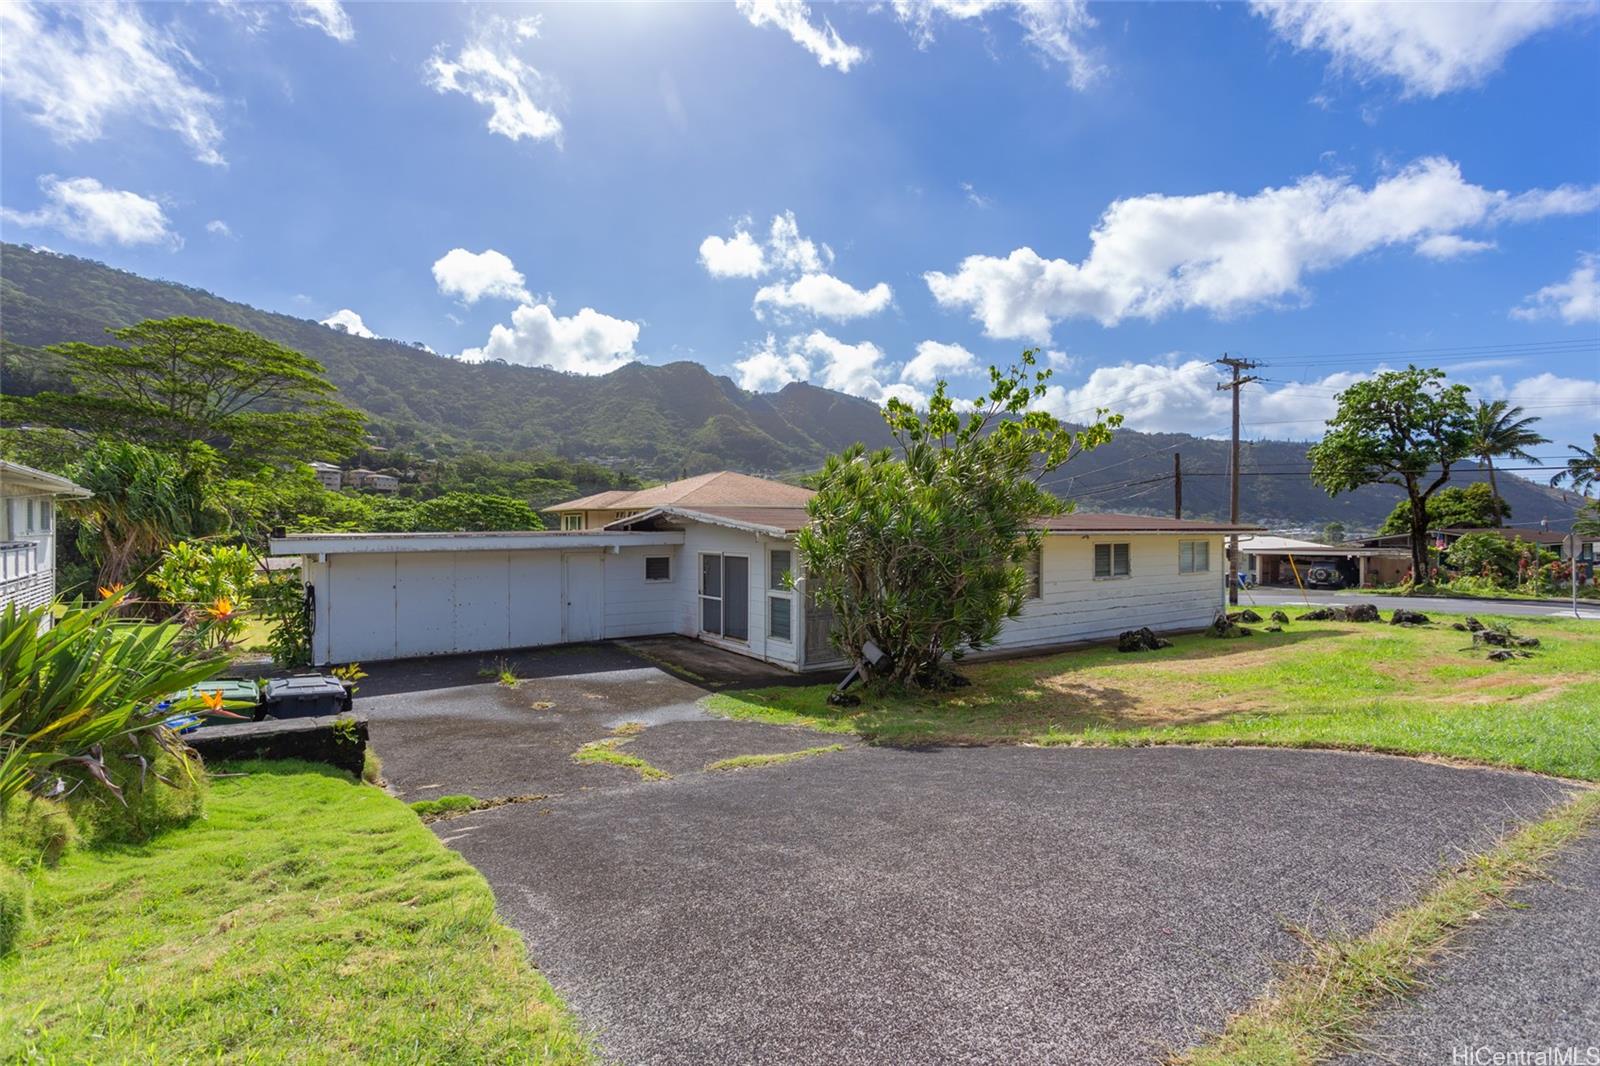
(1317, 684)
(306, 918)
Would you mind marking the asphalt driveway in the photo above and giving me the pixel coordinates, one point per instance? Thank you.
(871, 905)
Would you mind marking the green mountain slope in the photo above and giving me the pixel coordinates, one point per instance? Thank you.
(662, 420)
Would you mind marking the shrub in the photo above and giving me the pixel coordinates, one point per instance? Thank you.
(160, 789)
(16, 905)
(35, 831)
(81, 698)
(1486, 555)
(281, 601)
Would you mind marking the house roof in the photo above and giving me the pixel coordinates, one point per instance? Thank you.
(723, 488)
(1079, 522)
(1270, 543)
(26, 477)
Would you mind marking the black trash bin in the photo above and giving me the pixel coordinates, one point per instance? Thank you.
(304, 697)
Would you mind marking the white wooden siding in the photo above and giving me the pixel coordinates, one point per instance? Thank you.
(1075, 605)
(699, 539)
(635, 607)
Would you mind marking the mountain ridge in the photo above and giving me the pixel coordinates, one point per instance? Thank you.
(662, 420)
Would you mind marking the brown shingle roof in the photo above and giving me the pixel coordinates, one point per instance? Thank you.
(723, 488)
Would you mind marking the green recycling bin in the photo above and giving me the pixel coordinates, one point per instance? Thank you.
(240, 695)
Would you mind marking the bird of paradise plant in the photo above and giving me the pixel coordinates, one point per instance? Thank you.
(69, 691)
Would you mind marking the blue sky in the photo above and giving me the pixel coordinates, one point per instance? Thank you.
(862, 196)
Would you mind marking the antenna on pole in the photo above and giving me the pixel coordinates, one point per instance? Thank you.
(1239, 381)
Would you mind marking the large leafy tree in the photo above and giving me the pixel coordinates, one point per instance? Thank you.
(921, 552)
(1583, 469)
(1474, 506)
(1401, 427)
(1500, 430)
(172, 381)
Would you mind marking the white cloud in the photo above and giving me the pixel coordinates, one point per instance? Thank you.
(794, 18)
(488, 70)
(739, 256)
(1431, 48)
(74, 68)
(474, 275)
(1225, 253)
(1574, 300)
(935, 360)
(858, 369)
(347, 321)
(218, 228)
(326, 15)
(787, 250)
(769, 368)
(87, 211)
(585, 343)
(974, 197)
(824, 296)
(1054, 29)
(1450, 246)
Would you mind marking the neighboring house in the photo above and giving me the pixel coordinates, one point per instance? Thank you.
(371, 480)
(714, 571)
(330, 476)
(1271, 560)
(28, 532)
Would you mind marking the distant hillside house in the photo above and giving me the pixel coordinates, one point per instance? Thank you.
(28, 532)
(710, 557)
(330, 476)
(371, 481)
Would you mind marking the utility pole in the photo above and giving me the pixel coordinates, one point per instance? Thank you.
(1177, 484)
(1240, 380)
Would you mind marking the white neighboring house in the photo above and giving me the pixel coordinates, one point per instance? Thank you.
(28, 532)
(327, 473)
(705, 558)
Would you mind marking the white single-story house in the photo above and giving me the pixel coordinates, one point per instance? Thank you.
(28, 532)
(706, 558)
(1274, 560)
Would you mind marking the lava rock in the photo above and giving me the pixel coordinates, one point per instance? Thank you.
(1462, 626)
(1494, 637)
(1225, 629)
(843, 699)
(1144, 639)
(1403, 617)
(1246, 615)
(1500, 655)
(1273, 628)
(1473, 625)
(1356, 612)
(1280, 618)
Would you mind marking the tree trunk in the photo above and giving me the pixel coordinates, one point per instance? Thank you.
(1419, 539)
(1494, 493)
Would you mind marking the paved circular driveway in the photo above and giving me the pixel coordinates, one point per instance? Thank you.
(964, 905)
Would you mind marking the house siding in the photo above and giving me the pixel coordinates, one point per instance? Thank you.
(635, 607)
(34, 590)
(1074, 605)
(700, 539)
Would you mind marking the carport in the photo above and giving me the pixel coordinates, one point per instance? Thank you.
(377, 596)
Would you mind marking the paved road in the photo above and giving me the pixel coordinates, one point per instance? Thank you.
(1590, 611)
(1522, 979)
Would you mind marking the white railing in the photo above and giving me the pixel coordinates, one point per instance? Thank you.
(18, 558)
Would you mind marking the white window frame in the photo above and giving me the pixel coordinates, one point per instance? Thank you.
(721, 632)
(1196, 565)
(571, 523)
(664, 558)
(776, 591)
(1111, 560)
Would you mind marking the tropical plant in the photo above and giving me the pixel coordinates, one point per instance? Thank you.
(1472, 506)
(1587, 522)
(173, 381)
(1484, 555)
(280, 599)
(143, 500)
(72, 693)
(921, 553)
(1400, 427)
(1498, 429)
(1583, 469)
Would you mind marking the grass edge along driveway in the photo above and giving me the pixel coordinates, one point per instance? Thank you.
(1363, 686)
(305, 918)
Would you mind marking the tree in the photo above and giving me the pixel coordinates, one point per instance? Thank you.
(1397, 428)
(143, 501)
(471, 512)
(922, 553)
(1333, 533)
(1587, 521)
(1474, 506)
(1486, 555)
(177, 380)
(1583, 469)
(1498, 429)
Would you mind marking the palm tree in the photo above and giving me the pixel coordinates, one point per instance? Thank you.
(1500, 429)
(1583, 469)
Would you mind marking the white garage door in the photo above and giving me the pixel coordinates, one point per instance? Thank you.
(409, 604)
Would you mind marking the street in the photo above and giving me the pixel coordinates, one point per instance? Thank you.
(1588, 610)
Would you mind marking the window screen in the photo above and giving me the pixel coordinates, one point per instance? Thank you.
(657, 568)
(1111, 560)
(781, 565)
(778, 617)
(1194, 556)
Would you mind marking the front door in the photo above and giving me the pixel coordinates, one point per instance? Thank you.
(725, 596)
(581, 597)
